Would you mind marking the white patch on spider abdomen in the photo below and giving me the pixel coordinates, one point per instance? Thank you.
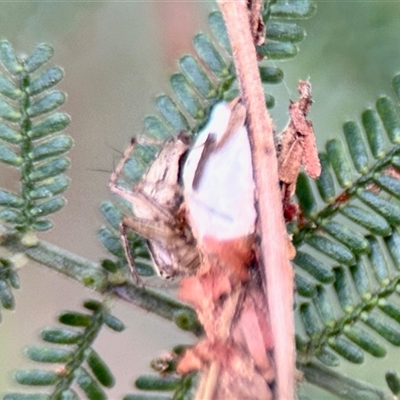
(220, 202)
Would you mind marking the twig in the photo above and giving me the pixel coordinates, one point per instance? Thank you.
(342, 385)
(278, 273)
(91, 275)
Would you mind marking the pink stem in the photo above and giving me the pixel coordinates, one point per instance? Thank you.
(277, 270)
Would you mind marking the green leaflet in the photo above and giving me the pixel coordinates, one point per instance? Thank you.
(55, 123)
(356, 146)
(172, 114)
(314, 267)
(72, 347)
(365, 341)
(304, 286)
(277, 51)
(367, 219)
(42, 225)
(151, 382)
(346, 349)
(6, 295)
(114, 323)
(393, 381)
(391, 185)
(197, 77)
(389, 115)
(393, 245)
(396, 85)
(100, 369)
(8, 156)
(74, 319)
(10, 199)
(374, 133)
(343, 290)
(324, 307)
(339, 162)
(385, 328)
(186, 96)
(48, 207)
(361, 280)
(47, 103)
(9, 59)
(210, 56)
(285, 31)
(50, 188)
(325, 183)
(52, 148)
(39, 57)
(35, 377)
(353, 240)
(49, 169)
(20, 131)
(47, 354)
(156, 128)
(11, 216)
(378, 262)
(111, 241)
(305, 195)
(111, 213)
(8, 89)
(390, 309)
(60, 335)
(293, 9)
(8, 112)
(334, 250)
(46, 80)
(271, 75)
(218, 28)
(89, 385)
(310, 320)
(9, 135)
(388, 210)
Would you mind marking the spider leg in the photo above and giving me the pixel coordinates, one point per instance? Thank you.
(150, 230)
(128, 255)
(118, 169)
(138, 198)
(113, 183)
(155, 230)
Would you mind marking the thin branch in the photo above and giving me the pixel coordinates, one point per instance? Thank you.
(163, 306)
(91, 275)
(278, 273)
(88, 273)
(342, 385)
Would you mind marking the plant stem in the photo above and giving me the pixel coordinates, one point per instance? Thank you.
(91, 275)
(340, 384)
(277, 270)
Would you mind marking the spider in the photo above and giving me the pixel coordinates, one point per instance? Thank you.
(158, 214)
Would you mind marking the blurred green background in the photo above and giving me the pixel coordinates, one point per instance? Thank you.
(117, 57)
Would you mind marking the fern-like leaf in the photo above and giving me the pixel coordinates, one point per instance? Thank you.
(355, 237)
(31, 138)
(82, 366)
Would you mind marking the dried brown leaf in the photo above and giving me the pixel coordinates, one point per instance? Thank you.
(298, 147)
